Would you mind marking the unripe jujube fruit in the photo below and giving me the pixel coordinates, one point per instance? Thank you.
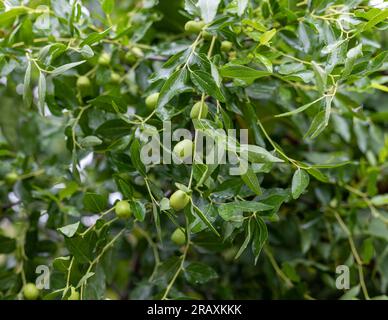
(74, 295)
(197, 112)
(226, 46)
(30, 291)
(178, 237)
(83, 82)
(123, 209)
(194, 26)
(115, 77)
(184, 149)
(179, 200)
(104, 59)
(232, 55)
(152, 100)
(11, 178)
(137, 52)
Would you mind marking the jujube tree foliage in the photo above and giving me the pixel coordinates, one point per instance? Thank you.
(82, 83)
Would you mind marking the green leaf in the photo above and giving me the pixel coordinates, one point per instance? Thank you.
(242, 72)
(94, 202)
(300, 181)
(317, 125)
(380, 200)
(258, 154)
(208, 9)
(251, 181)
(114, 128)
(320, 77)
(201, 215)
(41, 92)
(27, 95)
(300, 109)
(232, 211)
(61, 263)
(303, 37)
(7, 245)
(82, 248)
(248, 237)
(94, 37)
(378, 17)
(317, 174)
(65, 67)
(241, 5)
(266, 37)
(260, 236)
(90, 141)
(139, 210)
(199, 273)
(174, 85)
(12, 13)
(135, 157)
(205, 82)
(69, 230)
(367, 250)
(107, 6)
(351, 57)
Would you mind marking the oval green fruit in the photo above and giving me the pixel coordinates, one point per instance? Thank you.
(83, 82)
(123, 209)
(104, 59)
(152, 100)
(137, 52)
(178, 237)
(115, 78)
(30, 291)
(11, 178)
(199, 110)
(226, 46)
(194, 26)
(74, 295)
(184, 150)
(232, 55)
(179, 200)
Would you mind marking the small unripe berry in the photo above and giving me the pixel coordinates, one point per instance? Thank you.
(179, 200)
(83, 82)
(198, 112)
(184, 149)
(226, 46)
(123, 209)
(137, 52)
(178, 237)
(115, 78)
(194, 26)
(232, 55)
(74, 295)
(104, 59)
(11, 178)
(152, 100)
(30, 291)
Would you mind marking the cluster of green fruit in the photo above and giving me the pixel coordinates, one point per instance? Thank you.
(31, 292)
(195, 27)
(132, 56)
(178, 201)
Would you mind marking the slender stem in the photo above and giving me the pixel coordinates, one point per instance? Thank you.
(354, 253)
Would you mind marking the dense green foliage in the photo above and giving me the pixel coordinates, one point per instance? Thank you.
(81, 82)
